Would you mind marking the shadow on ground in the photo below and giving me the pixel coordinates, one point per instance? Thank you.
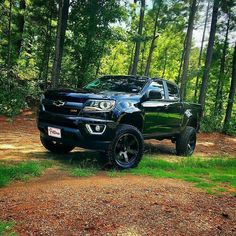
(89, 159)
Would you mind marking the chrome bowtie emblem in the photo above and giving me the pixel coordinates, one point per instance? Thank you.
(58, 103)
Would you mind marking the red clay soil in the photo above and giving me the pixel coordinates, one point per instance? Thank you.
(129, 205)
(56, 204)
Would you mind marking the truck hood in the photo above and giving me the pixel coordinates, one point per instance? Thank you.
(82, 96)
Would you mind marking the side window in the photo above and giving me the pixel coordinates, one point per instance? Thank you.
(173, 92)
(157, 85)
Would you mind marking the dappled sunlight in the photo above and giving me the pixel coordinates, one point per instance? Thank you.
(206, 143)
(6, 146)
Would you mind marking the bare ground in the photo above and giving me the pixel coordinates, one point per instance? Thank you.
(56, 204)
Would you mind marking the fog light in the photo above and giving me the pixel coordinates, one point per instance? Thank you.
(96, 129)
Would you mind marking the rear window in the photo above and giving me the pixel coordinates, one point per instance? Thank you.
(173, 91)
(157, 85)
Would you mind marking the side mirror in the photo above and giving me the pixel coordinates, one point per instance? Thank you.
(154, 94)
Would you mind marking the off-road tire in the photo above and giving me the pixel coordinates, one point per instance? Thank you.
(130, 132)
(56, 147)
(186, 142)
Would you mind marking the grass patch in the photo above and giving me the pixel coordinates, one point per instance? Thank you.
(21, 171)
(6, 228)
(221, 190)
(115, 174)
(83, 172)
(208, 174)
(204, 185)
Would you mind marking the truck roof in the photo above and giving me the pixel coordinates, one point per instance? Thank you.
(138, 77)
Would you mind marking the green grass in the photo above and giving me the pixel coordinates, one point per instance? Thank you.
(213, 175)
(6, 228)
(21, 171)
(83, 172)
(115, 174)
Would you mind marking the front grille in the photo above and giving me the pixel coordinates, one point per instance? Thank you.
(62, 110)
(62, 107)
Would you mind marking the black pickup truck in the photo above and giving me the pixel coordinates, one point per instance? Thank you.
(114, 114)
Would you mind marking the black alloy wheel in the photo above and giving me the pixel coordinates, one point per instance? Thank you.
(186, 142)
(126, 150)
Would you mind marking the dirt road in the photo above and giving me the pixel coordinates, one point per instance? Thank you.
(56, 204)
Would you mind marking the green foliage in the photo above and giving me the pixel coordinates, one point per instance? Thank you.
(12, 97)
(12, 102)
(21, 171)
(17, 95)
(6, 228)
(100, 39)
(230, 128)
(211, 124)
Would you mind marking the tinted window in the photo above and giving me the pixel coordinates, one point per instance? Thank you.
(157, 85)
(173, 92)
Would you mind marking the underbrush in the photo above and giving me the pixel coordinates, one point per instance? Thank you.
(21, 171)
(17, 95)
(210, 124)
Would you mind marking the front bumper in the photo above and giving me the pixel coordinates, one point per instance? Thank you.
(74, 130)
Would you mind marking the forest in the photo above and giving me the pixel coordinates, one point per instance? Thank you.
(68, 43)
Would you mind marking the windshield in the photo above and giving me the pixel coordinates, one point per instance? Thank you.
(126, 84)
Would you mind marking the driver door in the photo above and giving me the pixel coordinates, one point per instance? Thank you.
(156, 115)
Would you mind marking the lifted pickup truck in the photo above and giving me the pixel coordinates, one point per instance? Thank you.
(114, 114)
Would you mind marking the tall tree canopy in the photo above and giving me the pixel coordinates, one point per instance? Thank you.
(68, 43)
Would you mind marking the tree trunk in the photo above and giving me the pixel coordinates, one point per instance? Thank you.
(91, 34)
(21, 23)
(113, 63)
(188, 48)
(165, 62)
(100, 61)
(200, 54)
(9, 43)
(231, 93)
(133, 15)
(131, 61)
(138, 43)
(181, 62)
(152, 46)
(143, 55)
(220, 83)
(47, 50)
(60, 38)
(203, 91)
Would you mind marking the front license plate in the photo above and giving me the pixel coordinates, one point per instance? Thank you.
(54, 132)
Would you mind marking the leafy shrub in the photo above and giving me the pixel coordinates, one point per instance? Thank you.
(211, 124)
(230, 129)
(17, 95)
(12, 102)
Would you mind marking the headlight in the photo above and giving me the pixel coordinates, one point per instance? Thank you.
(99, 105)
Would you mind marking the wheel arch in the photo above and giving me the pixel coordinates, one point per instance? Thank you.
(135, 119)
